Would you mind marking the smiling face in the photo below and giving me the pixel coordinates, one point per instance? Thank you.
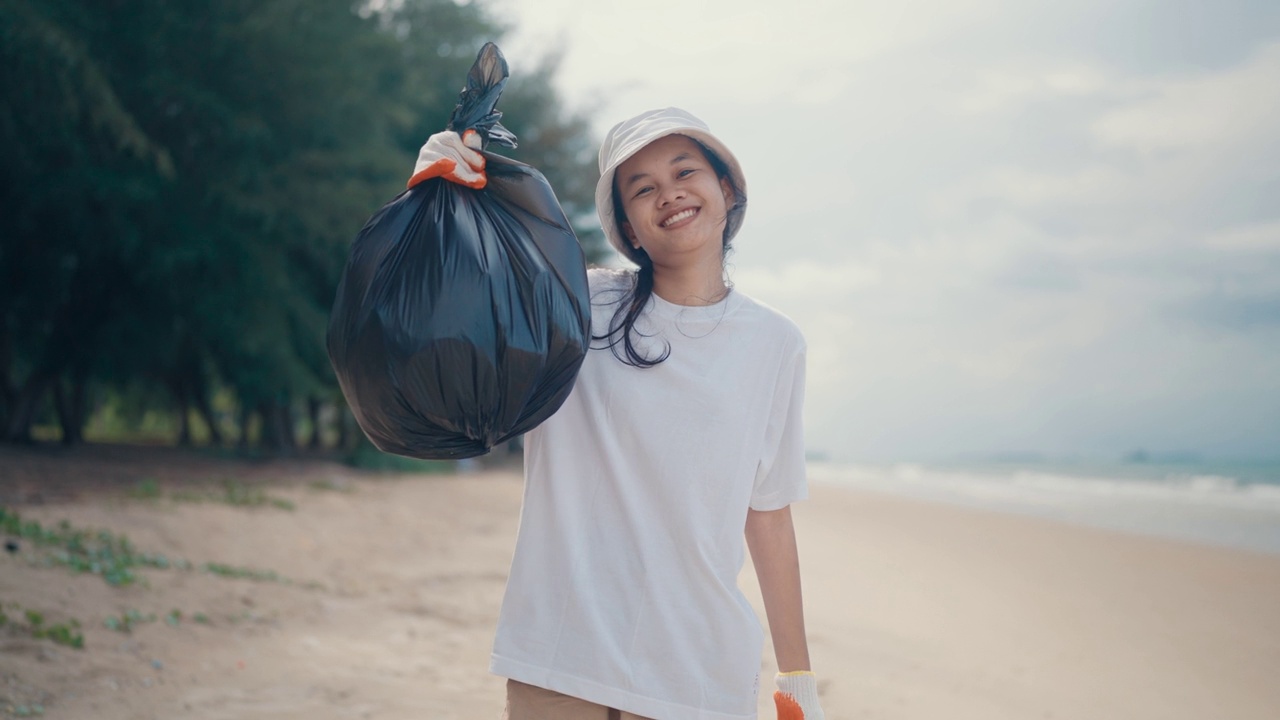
(673, 202)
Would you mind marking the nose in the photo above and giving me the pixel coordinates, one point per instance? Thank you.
(670, 193)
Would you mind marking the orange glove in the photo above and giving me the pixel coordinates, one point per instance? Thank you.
(797, 696)
(456, 159)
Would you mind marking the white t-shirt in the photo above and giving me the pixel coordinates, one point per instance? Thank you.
(623, 588)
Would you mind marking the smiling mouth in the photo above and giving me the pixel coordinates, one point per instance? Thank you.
(682, 215)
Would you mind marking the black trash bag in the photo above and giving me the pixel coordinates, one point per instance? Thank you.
(462, 316)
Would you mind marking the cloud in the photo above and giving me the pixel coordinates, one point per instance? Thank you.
(1252, 238)
(1212, 111)
(1002, 225)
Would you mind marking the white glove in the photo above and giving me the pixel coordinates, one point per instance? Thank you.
(797, 696)
(453, 158)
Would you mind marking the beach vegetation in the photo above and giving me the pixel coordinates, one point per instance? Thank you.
(109, 555)
(146, 489)
(127, 620)
(330, 484)
(236, 493)
(244, 573)
(33, 623)
(112, 556)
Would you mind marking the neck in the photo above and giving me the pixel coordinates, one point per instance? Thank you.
(696, 284)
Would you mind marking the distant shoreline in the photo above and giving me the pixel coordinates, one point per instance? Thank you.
(1199, 503)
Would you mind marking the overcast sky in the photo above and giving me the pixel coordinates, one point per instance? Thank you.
(1004, 226)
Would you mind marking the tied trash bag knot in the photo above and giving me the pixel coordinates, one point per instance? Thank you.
(478, 101)
(462, 315)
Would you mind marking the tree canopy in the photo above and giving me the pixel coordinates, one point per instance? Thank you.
(181, 182)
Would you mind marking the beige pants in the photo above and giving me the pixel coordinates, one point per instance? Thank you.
(527, 702)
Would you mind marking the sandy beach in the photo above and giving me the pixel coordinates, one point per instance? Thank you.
(375, 596)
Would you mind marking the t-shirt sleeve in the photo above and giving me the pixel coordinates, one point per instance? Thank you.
(780, 476)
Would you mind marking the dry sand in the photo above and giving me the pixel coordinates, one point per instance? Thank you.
(915, 610)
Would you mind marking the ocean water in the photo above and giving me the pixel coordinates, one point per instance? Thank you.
(1227, 504)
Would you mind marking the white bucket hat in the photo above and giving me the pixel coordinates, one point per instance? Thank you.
(629, 136)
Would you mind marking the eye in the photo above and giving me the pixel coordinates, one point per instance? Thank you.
(686, 172)
(643, 190)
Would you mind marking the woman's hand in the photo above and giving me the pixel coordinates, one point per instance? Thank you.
(456, 159)
(797, 696)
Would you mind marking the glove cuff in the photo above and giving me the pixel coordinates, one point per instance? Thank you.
(802, 687)
(454, 157)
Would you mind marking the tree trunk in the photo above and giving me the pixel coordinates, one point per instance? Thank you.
(70, 406)
(313, 412)
(178, 390)
(18, 428)
(79, 406)
(344, 428)
(183, 422)
(8, 393)
(269, 437)
(206, 411)
(277, 427)
(349, 432)
(246, 416)
(284, 419)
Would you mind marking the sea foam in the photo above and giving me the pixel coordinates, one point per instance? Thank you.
(1181, 503)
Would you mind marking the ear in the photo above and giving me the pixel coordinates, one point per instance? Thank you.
(628, 232)
(730, 197)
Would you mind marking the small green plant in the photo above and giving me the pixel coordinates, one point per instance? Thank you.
(112, 556)
(230, 571)
(235, 493)
(329, 484)
(282, 504)
(127, 620)
(146, 489)
(238, 494)
(65, 633)
(101, 553)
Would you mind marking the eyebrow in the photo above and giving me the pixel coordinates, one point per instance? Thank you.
(674, 161)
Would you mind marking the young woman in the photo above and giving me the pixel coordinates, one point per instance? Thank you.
(683, 431)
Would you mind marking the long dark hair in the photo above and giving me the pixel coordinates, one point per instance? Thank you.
(635, 298)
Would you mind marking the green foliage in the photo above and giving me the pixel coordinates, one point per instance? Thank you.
(242, 495)
(102, 553)
(231, 491)
(181, 182)
(61, 633)
(127, 620)
(243, 573)
(64, 633)
(235, 493)
(109, 555)
(146, 489)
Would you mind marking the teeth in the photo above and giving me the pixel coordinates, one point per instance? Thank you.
(683, 214)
